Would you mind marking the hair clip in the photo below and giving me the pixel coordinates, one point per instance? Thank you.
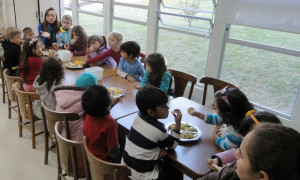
(250, 113)
(32, 41)
(224, 95)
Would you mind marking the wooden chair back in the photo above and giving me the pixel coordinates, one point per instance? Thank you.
(69, 155)
(98, 169)
(49, 118)
(216, 83)
(25, 110)
(2, 59)
(180, 81)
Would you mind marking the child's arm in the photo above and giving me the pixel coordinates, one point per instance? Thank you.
(81, 52)
(142, 55)
(145, 80)
(59, 40)
(213, 119)
(225, 157)
(113, 144)
(232, 139)
(120, 70)
(165, 82)
(100, 57)
(192, 112)
(40, 28)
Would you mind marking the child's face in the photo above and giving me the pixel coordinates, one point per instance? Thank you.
(124, 55)
(243, 169)
(161, 112)
(148, 67)
(38, 49)
(96, 45)
(51, 17)
(113, 42)
(75, 36)
(66, 24)
(16, 39)
(29, 35)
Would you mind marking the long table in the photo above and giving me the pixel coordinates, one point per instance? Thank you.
(189, 158)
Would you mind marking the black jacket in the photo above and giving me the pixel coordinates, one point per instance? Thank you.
(12, 54)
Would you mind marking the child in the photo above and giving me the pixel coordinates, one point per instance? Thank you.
(68, 99)
(97, 46)
(49, 27)
(130, 67)
(63, 36)
(78, 44)
(231, 105)
(30, 63)
(100, 128)
(148, 138)
(51, 74)
(12, 49)
(28, 33)
(114, 41)
(156, 73)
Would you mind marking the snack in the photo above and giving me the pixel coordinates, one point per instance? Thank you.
(188, 131)
(173, 112)
(116, 92)
(218, 168)
(76, 64)
(191, 111)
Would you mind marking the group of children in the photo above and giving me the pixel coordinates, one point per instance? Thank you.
(148, 139)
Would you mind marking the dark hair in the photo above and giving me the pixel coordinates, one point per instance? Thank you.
(95, 101)
(79, 31)
(51, 71)
(29, 44)
(131, 48)
(247, 123)
(56, 24)
(150, 97)
(27, 30)
(238, 106)
(275, 149)
(101, 39)
(158, 66)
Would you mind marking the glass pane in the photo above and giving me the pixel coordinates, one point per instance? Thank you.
(184, 52)
(140, 2)
(132, 32)
(91, 24)
(267, 78)
(264, 36)
(67, 3)
(205, 5)
(131, 13)
(92, 6)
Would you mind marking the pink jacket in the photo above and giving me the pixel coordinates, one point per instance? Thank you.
(226, 156)
(68, 99)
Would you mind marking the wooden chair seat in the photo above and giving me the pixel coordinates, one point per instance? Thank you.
(2, 59)
(11, 96)
(50, 117)
(216, 83)
(180, 81)
(25, 111)
(97, 169)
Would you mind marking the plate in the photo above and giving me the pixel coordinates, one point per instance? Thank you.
(47, 53)
(75, 65)
(188, 131)
(116, 91)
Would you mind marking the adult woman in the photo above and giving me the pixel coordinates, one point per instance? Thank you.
(49, 27)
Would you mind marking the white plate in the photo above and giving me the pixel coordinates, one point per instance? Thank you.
(116, 94)
(197, 133)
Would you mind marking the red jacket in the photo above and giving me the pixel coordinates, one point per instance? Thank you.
(34, 67)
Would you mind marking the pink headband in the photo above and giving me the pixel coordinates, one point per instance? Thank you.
(224, 95)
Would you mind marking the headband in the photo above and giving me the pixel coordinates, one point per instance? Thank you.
(224, 95)
(250, 113)
(32, 41)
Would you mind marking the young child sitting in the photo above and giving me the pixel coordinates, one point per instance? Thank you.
(78, 45)
(30, 63)
(148, 138)
(130, 67)
(12, 49)
(63, 36)
(97, 46)
(231, 105)
(100, 128)
(28, 33)
(156, 73)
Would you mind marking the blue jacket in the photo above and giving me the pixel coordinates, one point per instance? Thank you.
(63, 37)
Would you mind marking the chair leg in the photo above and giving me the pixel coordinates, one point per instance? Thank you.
(33, 133)
(3, 93)
(9, 109)
(46, 148)
(20, 125)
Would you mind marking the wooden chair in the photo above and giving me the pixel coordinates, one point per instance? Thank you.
(50, 117)
(180, 81)
(2, 59)
(11, 96)
(25, 108)
(69, 155)
(98, 169)
(216, 83)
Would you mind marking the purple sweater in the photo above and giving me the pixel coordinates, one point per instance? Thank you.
(108, 60)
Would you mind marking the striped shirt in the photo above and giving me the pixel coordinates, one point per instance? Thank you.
(232, 138)
(146, 136)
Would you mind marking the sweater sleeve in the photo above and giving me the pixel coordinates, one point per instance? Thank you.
(59, 40)
(113, 144)
(145, 80)
(100, 57)
(120, 70)
(40, 28)
(78, 52)
(226, 156)
(213, 119)
(165, 82)
(232, 139)
(171, 141)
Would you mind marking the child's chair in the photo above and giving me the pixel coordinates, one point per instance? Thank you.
(25, 108)
(98, 169)
(49, 119)
(2, 59)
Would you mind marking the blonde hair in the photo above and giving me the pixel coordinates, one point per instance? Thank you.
(67, 17)
(11, 32)
(118, 35)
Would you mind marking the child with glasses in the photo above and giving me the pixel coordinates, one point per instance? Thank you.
(231, 105)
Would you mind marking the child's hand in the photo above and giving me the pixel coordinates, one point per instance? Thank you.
(130, 78)
(192, 111)
(73, 41)
(91, 49)
(45, 34)
(55, 46)
(210, 163)
(137, 87)
(177, 114)
(115, 101)
(162, 153)
(66, 46)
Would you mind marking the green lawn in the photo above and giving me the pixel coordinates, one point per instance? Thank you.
(267, 78)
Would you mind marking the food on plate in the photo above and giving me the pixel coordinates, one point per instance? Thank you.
(76, 64)
(188, 127)
(50, 52)
(116, 92)
(188, 135)
(187, 131)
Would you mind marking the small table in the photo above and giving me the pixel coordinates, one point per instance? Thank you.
(188, 158)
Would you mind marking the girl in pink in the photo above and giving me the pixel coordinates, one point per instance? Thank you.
(30, 63)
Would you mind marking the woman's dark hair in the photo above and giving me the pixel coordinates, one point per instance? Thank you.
(95, 101)
(158, 66)
(150, 97)
(101, 39)
(275, 149)
(56, 24)
(79, 31)
(28, 46)
(247, 123)
(51, 71)
(234, 110)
